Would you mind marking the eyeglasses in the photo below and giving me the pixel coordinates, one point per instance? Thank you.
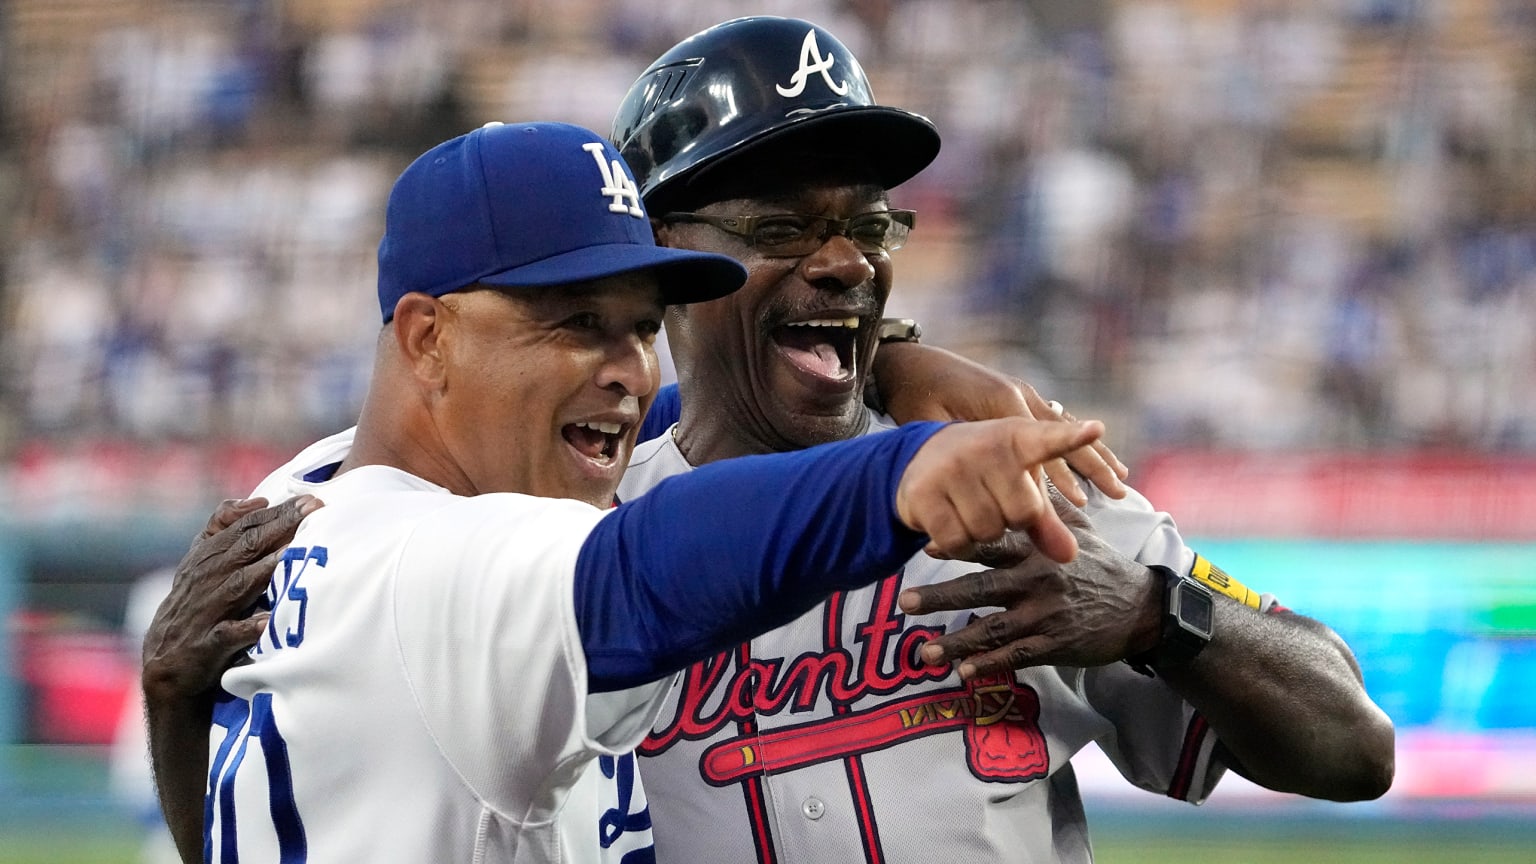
(793, 235)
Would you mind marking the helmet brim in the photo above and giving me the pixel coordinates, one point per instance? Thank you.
(889, 146)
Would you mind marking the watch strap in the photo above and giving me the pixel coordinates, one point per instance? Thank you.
(1188, 615)
(898, 330)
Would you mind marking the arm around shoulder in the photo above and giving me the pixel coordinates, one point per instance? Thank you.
(203, 624)
(921, 382)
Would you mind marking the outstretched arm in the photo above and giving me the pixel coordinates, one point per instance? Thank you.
(201, 628)
(920, 382)
(657, 590)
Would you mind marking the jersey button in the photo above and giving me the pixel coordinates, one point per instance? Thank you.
(813, 808)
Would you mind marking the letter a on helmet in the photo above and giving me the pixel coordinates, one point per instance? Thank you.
(751, 87)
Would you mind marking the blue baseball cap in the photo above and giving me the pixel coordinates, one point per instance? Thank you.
(529, 205)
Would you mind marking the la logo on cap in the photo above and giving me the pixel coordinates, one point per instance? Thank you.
(616, 183)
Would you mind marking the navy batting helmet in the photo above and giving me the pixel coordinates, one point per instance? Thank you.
(754, 88)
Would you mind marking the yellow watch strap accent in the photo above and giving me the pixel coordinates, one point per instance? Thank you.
(1216, 579)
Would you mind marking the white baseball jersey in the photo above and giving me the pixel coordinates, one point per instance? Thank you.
(421, 691)
(827, 740)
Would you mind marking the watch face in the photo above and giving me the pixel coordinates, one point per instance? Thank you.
(1194, 609)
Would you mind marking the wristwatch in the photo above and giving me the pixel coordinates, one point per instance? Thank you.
(898, 330)
(1188, 619)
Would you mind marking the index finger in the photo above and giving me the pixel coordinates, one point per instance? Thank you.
(1036, 443)
(229, 510)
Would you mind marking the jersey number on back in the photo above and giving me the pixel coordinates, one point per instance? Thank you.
(242, 722)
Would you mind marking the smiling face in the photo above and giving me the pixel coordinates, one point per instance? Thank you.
(546, 387)
(780, 364)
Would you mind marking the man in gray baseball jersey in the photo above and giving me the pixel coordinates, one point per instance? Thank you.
(760, 139)
(834, 738)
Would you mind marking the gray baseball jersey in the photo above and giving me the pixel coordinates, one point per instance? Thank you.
(827, 740)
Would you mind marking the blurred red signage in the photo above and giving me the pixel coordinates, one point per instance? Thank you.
(1419, 496)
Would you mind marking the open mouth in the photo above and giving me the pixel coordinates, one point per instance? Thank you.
(824, 347)
(595, 440)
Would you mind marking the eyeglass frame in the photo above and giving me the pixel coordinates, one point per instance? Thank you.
(745, 226)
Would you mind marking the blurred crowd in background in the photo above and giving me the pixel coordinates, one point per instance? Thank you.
(1255, 225)
(1302, 231)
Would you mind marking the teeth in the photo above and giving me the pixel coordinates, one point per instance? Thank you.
(851, 322)
(605, 428)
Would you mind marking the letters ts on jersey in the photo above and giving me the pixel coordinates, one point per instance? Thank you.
(616, 183)
(812, 61)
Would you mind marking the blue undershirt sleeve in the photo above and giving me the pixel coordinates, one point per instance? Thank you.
(709, 559)
(665, 411)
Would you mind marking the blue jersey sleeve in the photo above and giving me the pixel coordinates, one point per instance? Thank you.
(709, 559)
(665, 411)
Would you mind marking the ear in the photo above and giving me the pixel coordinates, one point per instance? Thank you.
(419, 325)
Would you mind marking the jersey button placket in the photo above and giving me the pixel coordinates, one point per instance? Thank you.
(813, 808)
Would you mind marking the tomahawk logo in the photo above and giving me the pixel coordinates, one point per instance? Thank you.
(811, 61)
(616, 184)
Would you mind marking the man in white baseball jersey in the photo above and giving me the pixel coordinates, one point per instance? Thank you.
(801, 745)
(463, 646)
